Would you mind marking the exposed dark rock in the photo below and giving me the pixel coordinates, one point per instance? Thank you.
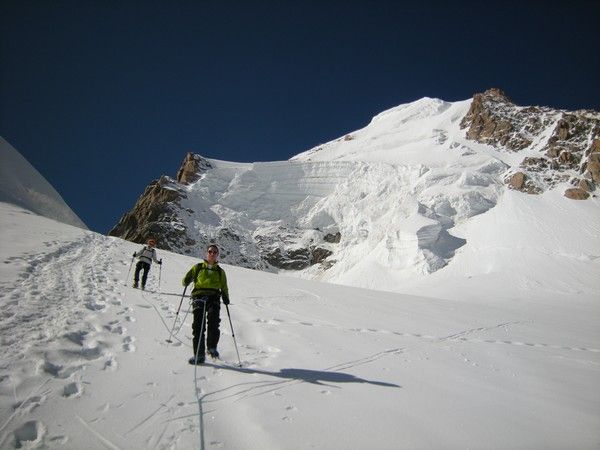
(520, 181)
(319, 254)
(491, 120)
(292, 260)
(152, 216)
(156, 212)
(577, 194)
(517, 181)
(333, 238)
(593, 166)
(191, 168)
(586, 185)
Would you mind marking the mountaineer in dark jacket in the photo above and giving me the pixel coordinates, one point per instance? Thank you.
(145, 256)
(210, 284)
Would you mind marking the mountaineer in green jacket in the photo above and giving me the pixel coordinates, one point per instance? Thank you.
(210, 284)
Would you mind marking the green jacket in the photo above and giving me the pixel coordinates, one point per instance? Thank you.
(207, 281)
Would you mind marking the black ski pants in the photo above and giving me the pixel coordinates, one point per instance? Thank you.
(141, 265)
(208, 307)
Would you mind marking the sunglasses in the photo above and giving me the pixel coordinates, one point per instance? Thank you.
(214, 252)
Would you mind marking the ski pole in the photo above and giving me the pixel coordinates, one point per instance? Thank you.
(160, 274)
(129, 271)
(176, 315)
(233, 335)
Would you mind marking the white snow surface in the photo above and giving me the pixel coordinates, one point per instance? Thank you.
(396, 191)
(21, 184)
(501, 349)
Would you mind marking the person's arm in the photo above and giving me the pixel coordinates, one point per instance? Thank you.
(189, 277)
(224, 288)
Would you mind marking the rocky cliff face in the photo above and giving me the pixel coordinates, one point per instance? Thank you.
(557, 146)
(157, 212)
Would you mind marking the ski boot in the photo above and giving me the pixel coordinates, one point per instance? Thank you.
(193, 361)
(213, 353)
(135, 284)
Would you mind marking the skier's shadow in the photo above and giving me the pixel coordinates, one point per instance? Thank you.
(319, 377)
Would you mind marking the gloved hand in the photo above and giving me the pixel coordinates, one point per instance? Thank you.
(226, 300)
(133, 255)
(160, 262)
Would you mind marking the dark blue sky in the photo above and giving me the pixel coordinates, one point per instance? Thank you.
(104, 96)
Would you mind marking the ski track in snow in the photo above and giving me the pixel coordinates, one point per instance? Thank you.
(55, 325)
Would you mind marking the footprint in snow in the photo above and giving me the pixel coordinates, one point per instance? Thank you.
(29, 435)
(76, 337)
(71, 390)
(30, 404)
(116, 329)
(111, 364)
(128, 345)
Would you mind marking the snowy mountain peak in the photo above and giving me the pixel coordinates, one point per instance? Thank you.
(418, 109)
(377, 207)
(405, 134)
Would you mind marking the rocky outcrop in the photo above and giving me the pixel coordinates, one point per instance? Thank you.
(577, 194)
(333, 238)
(592, 165)
(491, 120)
(297, 259)
(560, 139)
(156, 212)
(192, 167)
(153, 215)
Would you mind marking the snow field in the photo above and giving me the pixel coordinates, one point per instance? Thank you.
(85, 363)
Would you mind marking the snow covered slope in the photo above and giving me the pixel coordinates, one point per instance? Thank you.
(388, 193)
(21, 184)
(508, 362)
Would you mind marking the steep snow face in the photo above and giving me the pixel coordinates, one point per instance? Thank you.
(392, 191)
(258, 209)
(410, 134)
(21, 184)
